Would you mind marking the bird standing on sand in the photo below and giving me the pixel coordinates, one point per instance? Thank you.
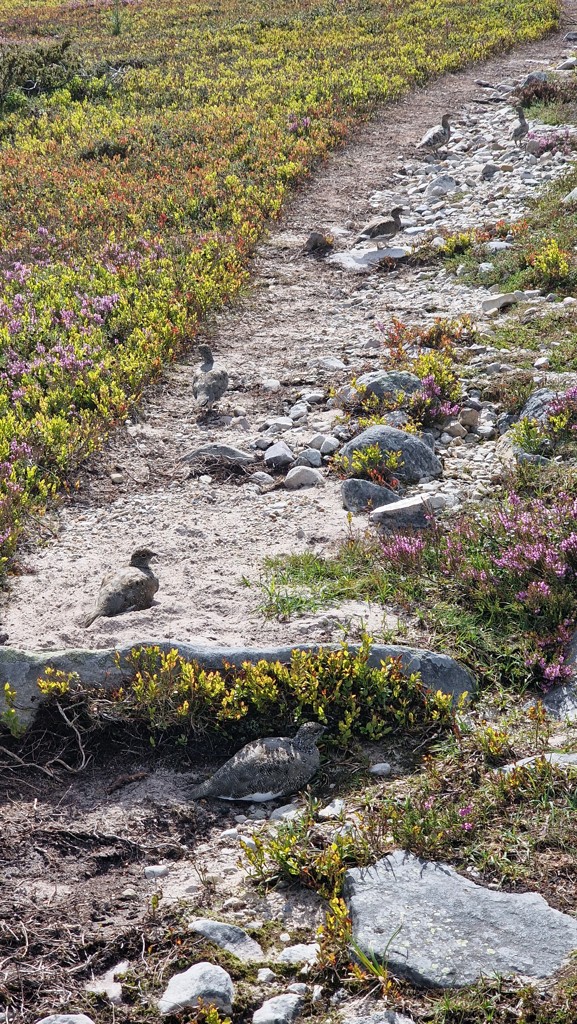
(130, 589)
(267, 768)
(437, 136)
(520, 130)
(381, 230)
(210, 382)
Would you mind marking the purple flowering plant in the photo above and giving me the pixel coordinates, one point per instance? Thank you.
(511, 570)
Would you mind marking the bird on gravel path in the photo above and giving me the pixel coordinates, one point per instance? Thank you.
(520, 130)
(381, 230)
(267, 768)
(210, 382)
(130, 589)
(437, 136)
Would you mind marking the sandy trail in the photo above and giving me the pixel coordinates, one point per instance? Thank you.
(212, 535)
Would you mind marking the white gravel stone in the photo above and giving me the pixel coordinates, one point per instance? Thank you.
(332, 810)
(203, 981)
(156, 871)
(278, 1010)
(301, 953)
(66, 1018)
(265, 976)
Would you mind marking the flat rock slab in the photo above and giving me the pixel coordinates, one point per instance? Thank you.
(383, 1017)
(407, 514)
(363, 260)
(221, 453)
(554, 758)
(228, 936)
(66, 1018)
(439, 929)
(105, 667)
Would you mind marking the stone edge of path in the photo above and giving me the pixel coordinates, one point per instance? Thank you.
(23, 669)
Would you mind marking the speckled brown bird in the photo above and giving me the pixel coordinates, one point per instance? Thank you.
(129, 589)
(210, 382)
(381, 229)
(266, 769)
(437, 136)
(520, 130)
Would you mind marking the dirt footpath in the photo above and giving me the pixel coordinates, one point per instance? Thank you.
(213, 533)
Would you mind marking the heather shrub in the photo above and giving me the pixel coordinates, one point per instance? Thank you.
(513, 568)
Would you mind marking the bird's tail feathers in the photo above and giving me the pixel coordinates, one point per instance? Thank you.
(198, 792)
(90, 619)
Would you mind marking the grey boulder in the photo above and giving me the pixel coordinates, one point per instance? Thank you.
(278, 1010)
(361, 495)
(561, 702)
(278, 456)
(388, 383)
(417, 459)
(439, 929)
(310, 457)
(203, 981)
(228, 936)
(536, 406)
(303, 476)
(441, 185)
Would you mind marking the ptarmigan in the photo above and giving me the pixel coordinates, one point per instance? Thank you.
(267, 768)
(130, 589)
(437, 136)
(380, 229)
(210, 382)
(520, 130)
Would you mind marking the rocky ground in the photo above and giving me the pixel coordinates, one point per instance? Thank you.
(101, 871)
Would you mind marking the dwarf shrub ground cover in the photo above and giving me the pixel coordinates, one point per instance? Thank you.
(169, 695)
(135, 185)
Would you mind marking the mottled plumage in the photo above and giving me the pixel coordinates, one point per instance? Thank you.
(520, 130)
(381, 229)
(131, 588)
(210, 382)
(267, 768)
(437, 136)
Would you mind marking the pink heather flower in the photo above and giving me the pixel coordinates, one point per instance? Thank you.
(468, 826)
(465, 811)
